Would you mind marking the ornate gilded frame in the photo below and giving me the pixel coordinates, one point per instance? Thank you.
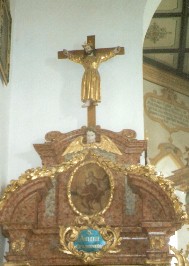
(111, 180)
(5, 40)
(68, 237)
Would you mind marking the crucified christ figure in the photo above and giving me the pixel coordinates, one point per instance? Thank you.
(90, 60)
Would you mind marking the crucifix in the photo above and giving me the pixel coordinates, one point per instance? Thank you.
(90, 58)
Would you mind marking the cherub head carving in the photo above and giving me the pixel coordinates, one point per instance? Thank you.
(91, 136)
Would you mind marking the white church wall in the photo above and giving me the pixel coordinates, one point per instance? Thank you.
(4, 129)
(45, 91)
(4, 132)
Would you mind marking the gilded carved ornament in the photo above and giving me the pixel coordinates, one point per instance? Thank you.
(110, 237)
(90, 58)
(157, 242)
(147, 172)
(186, 255)
(105, 144)
(181, 258)
(39, 172)
(18, 245)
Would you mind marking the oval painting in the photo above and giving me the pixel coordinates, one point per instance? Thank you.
(90, 189)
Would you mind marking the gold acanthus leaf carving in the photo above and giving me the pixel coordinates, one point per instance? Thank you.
(39, 172)
(146, 171)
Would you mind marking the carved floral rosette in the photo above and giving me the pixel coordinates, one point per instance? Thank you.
(94, 246)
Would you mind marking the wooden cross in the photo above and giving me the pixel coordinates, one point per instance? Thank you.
(91, 110)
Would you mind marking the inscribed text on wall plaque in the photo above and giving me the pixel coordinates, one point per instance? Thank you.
(166, 110)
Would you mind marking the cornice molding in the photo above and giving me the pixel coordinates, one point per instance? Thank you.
(165, 79)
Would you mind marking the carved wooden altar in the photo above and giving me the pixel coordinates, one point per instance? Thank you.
(139, 202)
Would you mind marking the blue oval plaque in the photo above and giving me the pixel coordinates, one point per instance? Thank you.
(89, 240)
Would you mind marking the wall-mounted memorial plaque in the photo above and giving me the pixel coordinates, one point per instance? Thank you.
(167, 110)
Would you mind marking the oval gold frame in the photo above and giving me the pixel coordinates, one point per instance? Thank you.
(111, 180)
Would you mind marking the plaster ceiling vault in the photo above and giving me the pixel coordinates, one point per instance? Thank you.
(166, 43)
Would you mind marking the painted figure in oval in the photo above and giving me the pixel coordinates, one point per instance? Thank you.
(91, 190)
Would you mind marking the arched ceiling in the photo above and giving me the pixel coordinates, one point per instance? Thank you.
(166, 43)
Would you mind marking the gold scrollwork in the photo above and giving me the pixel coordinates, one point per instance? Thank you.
(70, 234)
(181, 258)
(18, 245)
